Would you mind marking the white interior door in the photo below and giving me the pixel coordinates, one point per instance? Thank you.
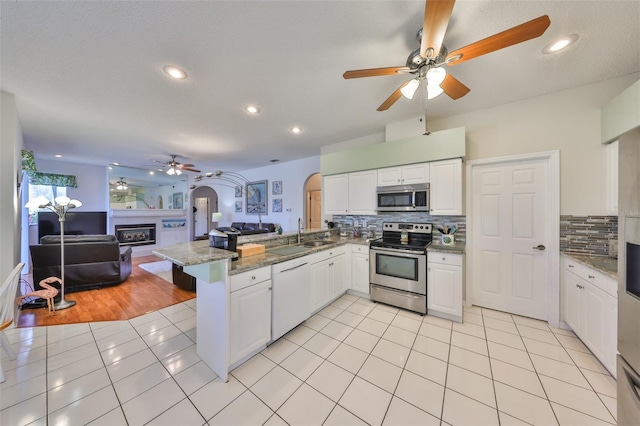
(201, 217)
(510, 222)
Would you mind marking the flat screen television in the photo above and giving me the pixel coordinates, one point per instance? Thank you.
(76, 223)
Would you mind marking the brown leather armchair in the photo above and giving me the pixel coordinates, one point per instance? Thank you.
(90, 261)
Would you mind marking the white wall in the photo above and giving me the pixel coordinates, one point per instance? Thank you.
(11, 205)
(568, 121)
(293, 175)
(93, 182)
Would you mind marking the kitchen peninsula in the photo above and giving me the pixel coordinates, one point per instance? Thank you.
(234, 303)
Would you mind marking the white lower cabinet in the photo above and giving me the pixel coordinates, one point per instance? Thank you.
(444, 285)
(360, 268)
(590, 308)
(250, 312)
(328, 277)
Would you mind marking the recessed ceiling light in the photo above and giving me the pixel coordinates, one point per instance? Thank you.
(151, 172)
(58, 155)
(116, 164)
(295, 130)
(252, 109)
(560, 44)
(175, 72)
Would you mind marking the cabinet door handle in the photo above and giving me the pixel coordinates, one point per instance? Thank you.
(539, 247)
(253, 277)
(570, 266)
(444, 259)
(591, 276)
(580, 286)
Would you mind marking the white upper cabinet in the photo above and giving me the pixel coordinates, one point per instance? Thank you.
(446, 187)
(335, 190)
(350, 193)
(404, 175)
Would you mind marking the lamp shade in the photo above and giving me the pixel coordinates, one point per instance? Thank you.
(37, 202)
(435, 77)
(409, 89)
(216, 217)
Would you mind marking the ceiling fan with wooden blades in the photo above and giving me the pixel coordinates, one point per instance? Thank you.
(176, 168)
(427, 62)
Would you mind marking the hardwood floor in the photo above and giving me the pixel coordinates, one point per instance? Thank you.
(142, 292)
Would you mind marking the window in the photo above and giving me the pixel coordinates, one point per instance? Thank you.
(49, 191)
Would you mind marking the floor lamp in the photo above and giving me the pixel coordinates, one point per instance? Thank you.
(61, 206)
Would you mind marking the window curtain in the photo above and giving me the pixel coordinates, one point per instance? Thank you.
(38, 178)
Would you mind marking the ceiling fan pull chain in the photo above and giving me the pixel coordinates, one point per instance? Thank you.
(426, 100)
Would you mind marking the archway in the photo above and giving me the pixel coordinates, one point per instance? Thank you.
(313, 201)
(204, 201)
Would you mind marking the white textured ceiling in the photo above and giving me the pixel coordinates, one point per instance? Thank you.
(88, 80)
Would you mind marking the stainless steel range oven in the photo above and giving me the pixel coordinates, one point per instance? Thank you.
(398, 265)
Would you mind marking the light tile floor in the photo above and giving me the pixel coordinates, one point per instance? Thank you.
(353, 363)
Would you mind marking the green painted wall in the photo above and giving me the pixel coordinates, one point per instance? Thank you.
(417, 149)
(621, 114)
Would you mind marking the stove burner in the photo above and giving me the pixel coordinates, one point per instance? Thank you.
(404, 236)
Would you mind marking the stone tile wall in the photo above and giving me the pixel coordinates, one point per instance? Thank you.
(417, 217)
(587, 234)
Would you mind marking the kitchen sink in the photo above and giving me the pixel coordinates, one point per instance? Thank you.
(287, 250)
(316, 243)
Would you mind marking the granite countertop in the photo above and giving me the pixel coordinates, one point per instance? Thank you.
(603, 264)
(458, 247)
(266, 259)
(197, 252)
(193, 253)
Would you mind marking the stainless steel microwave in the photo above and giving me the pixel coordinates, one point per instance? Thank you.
(403, 198)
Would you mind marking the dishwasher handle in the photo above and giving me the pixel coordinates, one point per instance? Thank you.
(295, 267)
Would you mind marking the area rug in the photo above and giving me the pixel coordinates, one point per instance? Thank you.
(161, 268)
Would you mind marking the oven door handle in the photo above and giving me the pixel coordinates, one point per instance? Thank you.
(403, 253)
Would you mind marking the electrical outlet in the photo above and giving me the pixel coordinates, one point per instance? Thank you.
(613, 248)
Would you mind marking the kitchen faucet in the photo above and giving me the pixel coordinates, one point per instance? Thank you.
(299, 228)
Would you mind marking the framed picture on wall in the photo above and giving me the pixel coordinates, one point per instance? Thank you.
(277, 187)
(178, 200)
(238, 191)
(256, 196)
(238, 206)
(277, 205)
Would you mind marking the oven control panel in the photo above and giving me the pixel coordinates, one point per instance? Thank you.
(423, 228)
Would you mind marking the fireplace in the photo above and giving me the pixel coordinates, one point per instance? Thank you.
(136, 235)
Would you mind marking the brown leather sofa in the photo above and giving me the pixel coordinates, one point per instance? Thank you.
(90, 261)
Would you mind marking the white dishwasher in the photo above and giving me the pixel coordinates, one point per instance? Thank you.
(291, 295)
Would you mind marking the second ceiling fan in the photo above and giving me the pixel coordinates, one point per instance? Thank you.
(176, 168)
(427, 62)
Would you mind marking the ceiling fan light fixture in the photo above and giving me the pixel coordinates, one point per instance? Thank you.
(434, 92)
(435, 76)
(560, 44)
(171, 171)
(409, 89)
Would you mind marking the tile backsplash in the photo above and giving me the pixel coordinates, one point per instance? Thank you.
(459, 221)
(588, 234)
(578, 234)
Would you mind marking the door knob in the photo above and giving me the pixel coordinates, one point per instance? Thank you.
(539, 247)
